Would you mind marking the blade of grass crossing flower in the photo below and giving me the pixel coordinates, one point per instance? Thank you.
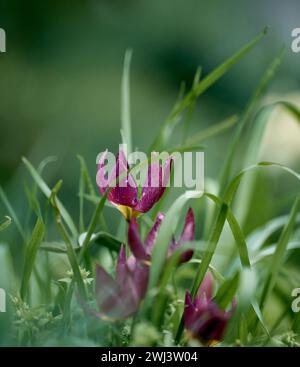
(12, 213)
(167, 229)
(6, 223)
(211, 247)
(47, 192)
(279, 253)
(30, 255)
(246, 116)
(125, 103)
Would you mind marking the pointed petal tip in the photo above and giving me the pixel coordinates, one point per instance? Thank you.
(135, 242)
(188, 232)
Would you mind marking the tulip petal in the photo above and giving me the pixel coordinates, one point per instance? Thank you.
(154, 186)
(152, 235)
(141, 278)
(188, 232)
(123, 192)
(206, 287)
(121, 266)
(102, 181)
(134, 241)
(106, 290)
(189, 311)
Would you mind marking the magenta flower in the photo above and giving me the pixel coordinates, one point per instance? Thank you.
(203, 318)
(120, 297)
(143, 251)
(124, 192)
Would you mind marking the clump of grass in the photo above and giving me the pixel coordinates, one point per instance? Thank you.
(45, 309)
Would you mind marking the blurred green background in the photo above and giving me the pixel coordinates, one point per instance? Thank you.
(60, 78)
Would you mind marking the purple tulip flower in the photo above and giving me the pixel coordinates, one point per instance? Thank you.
(203, 318)
(120, 297)
(123, 188)
(143, 251)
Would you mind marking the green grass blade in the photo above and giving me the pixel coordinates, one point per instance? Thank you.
(211, 248)
(68, 242)
(217, 73)
(236, 232)
(227, 291)
(47, 192)
(6, 223)
(109, 241)
(92, 226)
(201, 87)
(212, 131)
(87, 176)
(125, 103)
(279, 253)
(30, 255)
(234, 184)
(12, 213)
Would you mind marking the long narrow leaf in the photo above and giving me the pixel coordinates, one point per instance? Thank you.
(278, 255)
(47, 192)
(30, 255)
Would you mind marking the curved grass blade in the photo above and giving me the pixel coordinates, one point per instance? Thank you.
(252, 154)
(257, 238)
(236, 231)
(234, 184)
(47, 192)
(279, 253)
(200, 88)
(270, 250)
